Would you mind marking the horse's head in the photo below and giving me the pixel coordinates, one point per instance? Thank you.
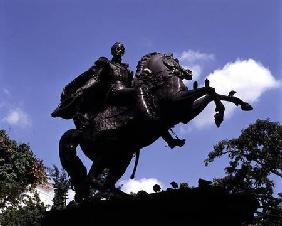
(161, 65)
(174, 68)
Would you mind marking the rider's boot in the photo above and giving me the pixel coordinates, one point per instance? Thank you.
(176, 143)
(172, 142)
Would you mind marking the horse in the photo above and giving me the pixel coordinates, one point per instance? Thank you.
(112, 150)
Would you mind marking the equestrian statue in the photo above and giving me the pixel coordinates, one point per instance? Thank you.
(116, 114)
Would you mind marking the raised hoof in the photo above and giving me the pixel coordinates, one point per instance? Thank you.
(246, 107)
(218, 119)
(220, 108)
(195, 85)
(207, 83)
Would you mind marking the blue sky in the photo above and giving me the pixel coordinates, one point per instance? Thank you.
(45, 44)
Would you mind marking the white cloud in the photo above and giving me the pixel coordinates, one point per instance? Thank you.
(193, 56)
(46, 194)
(183, 129)
(6, 92)
(248, 78)
(147, 42)
(144, 184)
(195, 61)
(17, 117)
(71, 194)
(196, 70)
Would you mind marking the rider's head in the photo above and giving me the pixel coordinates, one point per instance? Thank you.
(118, 49)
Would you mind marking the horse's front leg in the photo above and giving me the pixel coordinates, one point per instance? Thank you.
(237, 101)
(194, 109)
(191, 95)
(200, 98)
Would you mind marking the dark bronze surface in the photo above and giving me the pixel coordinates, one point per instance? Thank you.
(116, 115)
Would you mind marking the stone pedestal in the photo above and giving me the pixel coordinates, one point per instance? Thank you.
(208, 206)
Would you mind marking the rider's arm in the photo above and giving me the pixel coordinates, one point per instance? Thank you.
(97, 71)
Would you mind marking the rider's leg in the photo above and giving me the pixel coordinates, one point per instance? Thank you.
(144, 104)
(138, 96)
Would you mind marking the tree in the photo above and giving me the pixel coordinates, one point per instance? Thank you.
(61, 186)
(255, 157)
(20, 173)
(29, 213)
(20, 170)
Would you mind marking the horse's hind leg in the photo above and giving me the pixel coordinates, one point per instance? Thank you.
(107, 170)
(72, 163)
(119, 167)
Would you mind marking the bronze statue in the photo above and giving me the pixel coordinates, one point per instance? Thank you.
(116, 115)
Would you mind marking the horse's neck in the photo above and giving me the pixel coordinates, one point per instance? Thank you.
(158, 77)
(176, 85)
(172, 87)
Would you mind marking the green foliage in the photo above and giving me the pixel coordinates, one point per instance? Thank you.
(29, 213)
(255, 157)
(20, 173)
(20, 170)
(183, 186)
(61, 186)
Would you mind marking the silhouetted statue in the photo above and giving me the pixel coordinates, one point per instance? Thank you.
(116, 115)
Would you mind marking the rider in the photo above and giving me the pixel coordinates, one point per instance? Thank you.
(121, 83)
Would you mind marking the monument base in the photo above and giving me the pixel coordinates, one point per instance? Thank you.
(203, 206)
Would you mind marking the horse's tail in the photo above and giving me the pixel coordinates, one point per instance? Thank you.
(137, 155)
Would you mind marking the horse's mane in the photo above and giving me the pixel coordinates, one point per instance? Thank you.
(142, 62)
(143, 78)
